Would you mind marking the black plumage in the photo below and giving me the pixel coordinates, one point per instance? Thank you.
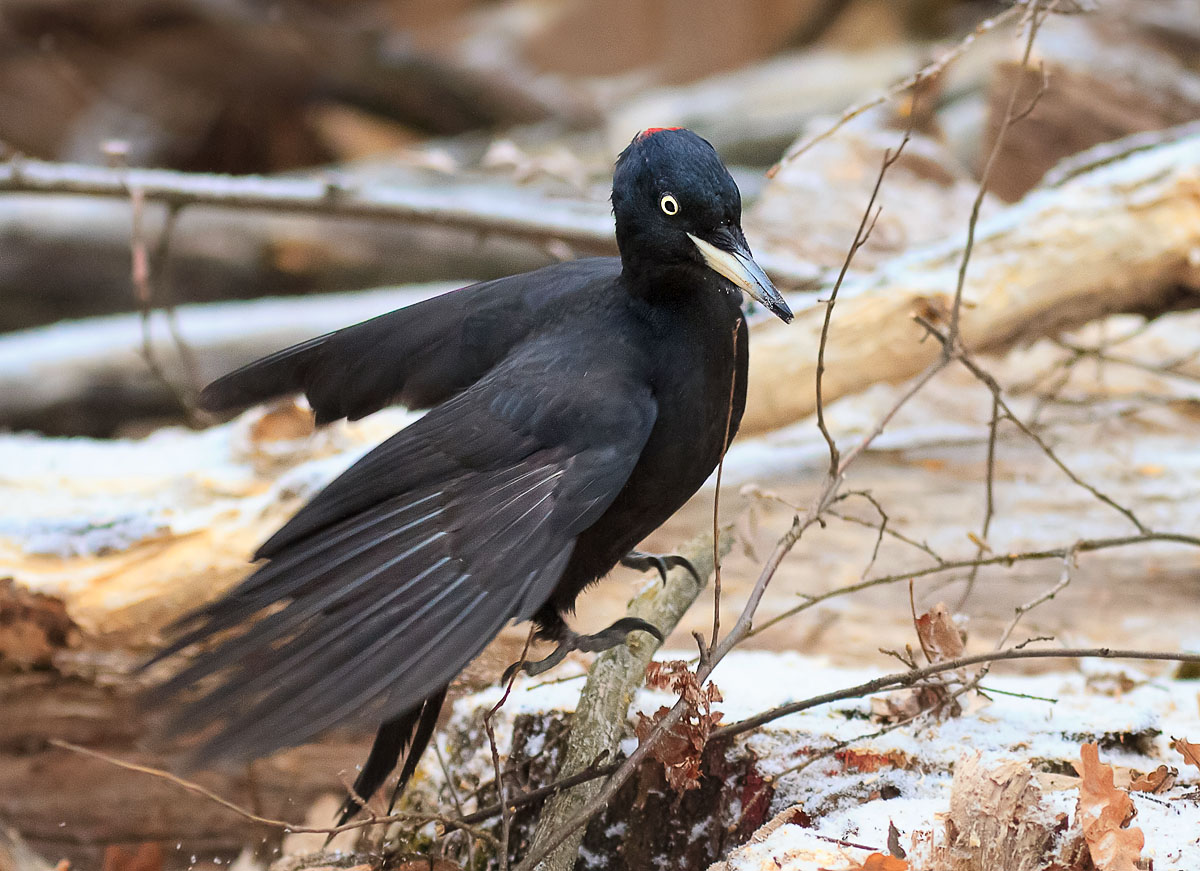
(573, 410)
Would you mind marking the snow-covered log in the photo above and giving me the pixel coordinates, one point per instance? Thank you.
(1121, 238)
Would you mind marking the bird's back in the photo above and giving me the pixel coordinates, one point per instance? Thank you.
(417, 356)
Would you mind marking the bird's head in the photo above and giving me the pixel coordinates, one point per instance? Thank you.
(677, 208)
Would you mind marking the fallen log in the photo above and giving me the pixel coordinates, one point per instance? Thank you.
(1117, 235)
(1100, 78)
(1120, 238)
(249, 236)
(91, 377)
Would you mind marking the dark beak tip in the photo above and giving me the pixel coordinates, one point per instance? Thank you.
(781, 311)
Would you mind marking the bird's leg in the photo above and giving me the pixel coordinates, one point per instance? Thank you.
(661, 562)
(602, 640)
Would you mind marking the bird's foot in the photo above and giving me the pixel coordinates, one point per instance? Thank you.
(660, 562)
(602, 640)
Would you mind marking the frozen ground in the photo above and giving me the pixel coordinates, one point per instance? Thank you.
(1040, 720)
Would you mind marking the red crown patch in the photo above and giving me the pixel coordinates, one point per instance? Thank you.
(650, 131)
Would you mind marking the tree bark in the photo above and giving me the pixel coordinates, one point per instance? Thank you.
(1121, 238)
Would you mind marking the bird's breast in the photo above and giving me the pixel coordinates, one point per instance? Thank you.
(699, 385)
(697, 372)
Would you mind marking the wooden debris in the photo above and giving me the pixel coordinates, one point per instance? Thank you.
(33, 627)
(1120, 238)
(15, 854)
(926, 193)
(996, 819)
(1102, 80)
(1104, 814)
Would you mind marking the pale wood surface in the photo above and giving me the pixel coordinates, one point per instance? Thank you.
(1119, 239)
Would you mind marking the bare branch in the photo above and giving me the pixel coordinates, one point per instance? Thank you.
(1010, 117)
(1007, 560)
(865, 225)
(501, 795)
(911, 678)
(926, 72)
(327, 194)
(716, 528)
(192, 786)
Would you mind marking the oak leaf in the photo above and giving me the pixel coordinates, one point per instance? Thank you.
(1159, 780)
(941, 639)
(1189, 751)
(681, 749)
(1104, 811)
(869, 761)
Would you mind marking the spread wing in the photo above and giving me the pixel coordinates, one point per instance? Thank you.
(417, 356)
(405, 567)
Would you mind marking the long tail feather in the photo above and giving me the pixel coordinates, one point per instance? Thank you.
(412, 729)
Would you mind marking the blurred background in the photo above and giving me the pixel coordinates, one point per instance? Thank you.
(427, 93)
(517, 106)
(430, 143)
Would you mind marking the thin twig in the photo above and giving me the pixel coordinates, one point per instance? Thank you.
(198, 789)
(865, 225)
(505, 811)
(926, 72)
(140, 267)
(989, 500)
(1064, 578)
(158, 266)
(997, 392)
(911, 678)
(884, 527)
(1168, 369)
(716, 524)
(1005, 559)
(1008, 119)
(457, 800)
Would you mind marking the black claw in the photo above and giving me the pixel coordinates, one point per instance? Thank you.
(602, 640)
(618, 631)
(660, 562)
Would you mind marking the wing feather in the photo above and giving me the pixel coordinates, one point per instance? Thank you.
(418, 356)
(380, 590)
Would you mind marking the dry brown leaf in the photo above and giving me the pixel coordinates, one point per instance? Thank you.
(33, 626)
(875, 862)
(1159, 780)
(681, 749)
(868, 761)
(1104, 810)
(283, 422)
(147, 857)
(896, 707)
(940, 638)
(1189, 751)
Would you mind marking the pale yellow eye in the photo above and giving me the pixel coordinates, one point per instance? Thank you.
(669, 204)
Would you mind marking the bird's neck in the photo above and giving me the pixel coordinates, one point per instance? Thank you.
(666, 283)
